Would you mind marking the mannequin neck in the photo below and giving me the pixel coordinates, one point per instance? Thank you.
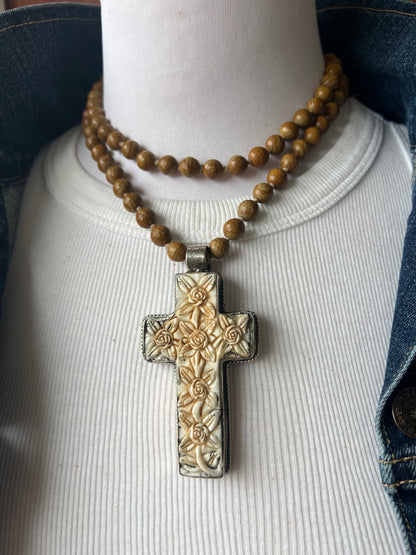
(205, 79)
(208, 79)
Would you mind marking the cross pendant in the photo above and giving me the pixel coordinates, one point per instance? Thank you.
(200, 339)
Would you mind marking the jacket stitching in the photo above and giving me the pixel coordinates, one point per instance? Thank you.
(52, 20)
(388, 439)
(364, 8)
(412, 538)
(394, 461)
(397, 484)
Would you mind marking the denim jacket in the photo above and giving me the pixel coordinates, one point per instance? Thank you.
(51, 54)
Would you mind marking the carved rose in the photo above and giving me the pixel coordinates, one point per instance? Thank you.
(198, 389)
(197, 296)
(232, 335)
(196, 384)
(163, 338)
(198, 340)
(199, 434)
(200, 441)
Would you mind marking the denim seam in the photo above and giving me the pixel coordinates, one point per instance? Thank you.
(387, 438)
(394, 461)
(412, 538)
(363, 8)
(52, 20)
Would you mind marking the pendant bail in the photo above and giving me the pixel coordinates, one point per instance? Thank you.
(197, 258)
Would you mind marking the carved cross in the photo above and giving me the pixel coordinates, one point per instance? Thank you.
(200, 339)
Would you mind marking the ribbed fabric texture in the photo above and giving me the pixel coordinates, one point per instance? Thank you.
(88, 461)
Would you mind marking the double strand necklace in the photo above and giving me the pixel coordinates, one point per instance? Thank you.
(199, 338)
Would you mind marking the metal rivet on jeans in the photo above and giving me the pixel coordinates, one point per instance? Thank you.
(404, 411)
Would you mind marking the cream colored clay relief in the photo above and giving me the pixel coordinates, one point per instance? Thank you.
(198, 338)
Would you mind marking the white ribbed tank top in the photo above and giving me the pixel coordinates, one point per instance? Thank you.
(89, 429)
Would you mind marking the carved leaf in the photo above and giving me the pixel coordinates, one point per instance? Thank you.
(242, 348)
(242, 321)
(209, 353)
(186, 328)
(211, 419)
(208, 310)
(186, 375)
(207, 281)
(185, 283)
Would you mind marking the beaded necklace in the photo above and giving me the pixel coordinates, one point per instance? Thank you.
(199, 338)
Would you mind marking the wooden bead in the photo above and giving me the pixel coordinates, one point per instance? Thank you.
(132, 201)
(334, 69)
(113, 173)
(88, 131)
(289, 163)
(104, 130)
(130, 149)
(277, 177)
(95, 94)
(92, 104)
(331, 59)
(340, 98)
(302, 118)
(258, 156)
(263, 192)
(331, 81)
(176, 251)
(212, 169)
(275, 144)
(92, 141)
(121, 187)
(167, 164)
(322, 123)
(145, 160)
(289, 130)
(160, 235)
(344, 84)
(312, 135)
(96, 110)
(189, 166)
(324, 93)
(98, 119)
(237, 164)
(299, 148)
(104, 162)
(234, 229)
(331, 110)
(247, 209)
(97, 151)
(145, 217)
(219, 247)
(316, 106)
(114, 140)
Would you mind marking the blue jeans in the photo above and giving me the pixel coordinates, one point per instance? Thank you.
(50, 55)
